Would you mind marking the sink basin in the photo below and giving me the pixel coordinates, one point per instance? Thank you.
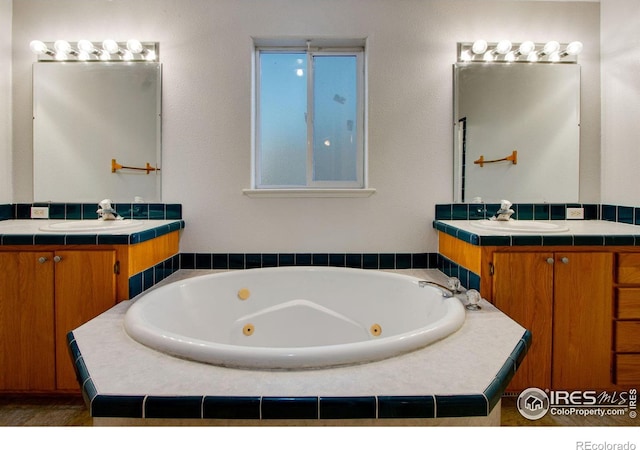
(94, 226)
(519, 226)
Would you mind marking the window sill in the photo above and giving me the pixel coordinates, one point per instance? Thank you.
(325, 193)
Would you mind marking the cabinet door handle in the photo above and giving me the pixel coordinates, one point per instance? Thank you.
(565, 260)
(550, 260)
(43, 259)
(57, 258)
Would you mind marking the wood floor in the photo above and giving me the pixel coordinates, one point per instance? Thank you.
(71, 411)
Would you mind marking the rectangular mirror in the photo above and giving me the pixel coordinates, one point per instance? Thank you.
(87, 114)
(533, 109)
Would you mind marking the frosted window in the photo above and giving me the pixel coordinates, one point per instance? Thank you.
(283, 111)
(335, 142)
(309, 122)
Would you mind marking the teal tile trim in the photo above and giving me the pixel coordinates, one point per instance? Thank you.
(494, 391)
(151, 276)
(224, 261)
(467, 278)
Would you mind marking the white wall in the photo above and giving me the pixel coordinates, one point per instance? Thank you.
(620, 101)
(6, 194)
(205, 49)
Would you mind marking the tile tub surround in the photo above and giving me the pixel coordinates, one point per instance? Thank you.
(223, 261)
(459, 378)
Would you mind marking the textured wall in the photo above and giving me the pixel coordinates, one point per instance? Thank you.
(206, 53)
(6, 194)
(620, 101)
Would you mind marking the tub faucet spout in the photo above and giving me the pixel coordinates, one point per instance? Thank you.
(451, 290)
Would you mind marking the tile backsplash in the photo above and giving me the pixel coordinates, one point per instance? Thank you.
(80, 211)
(539, 211)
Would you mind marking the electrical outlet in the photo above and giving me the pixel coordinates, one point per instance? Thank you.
(39, 212)
(575, 213)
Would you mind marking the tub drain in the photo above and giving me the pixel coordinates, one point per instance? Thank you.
(248, 329)
(376, 329)
(244, 294)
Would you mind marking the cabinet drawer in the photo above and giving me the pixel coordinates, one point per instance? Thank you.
(629, 268)
(628, 336)
(628, 303)
(628, 369)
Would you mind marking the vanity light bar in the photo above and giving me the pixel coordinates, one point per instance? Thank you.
(87, 51)
(529, 52)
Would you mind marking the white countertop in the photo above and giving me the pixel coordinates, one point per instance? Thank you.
(32, 227)
(575, 227)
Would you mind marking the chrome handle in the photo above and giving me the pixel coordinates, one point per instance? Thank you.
(565, 260)
(43, 259)
(57, 258)
(550, 260)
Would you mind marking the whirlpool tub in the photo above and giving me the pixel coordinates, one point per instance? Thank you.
(293, 317)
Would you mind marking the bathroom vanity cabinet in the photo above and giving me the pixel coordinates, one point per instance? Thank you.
(48, 290)
(44, 295)
(564, 299)
(580, 302)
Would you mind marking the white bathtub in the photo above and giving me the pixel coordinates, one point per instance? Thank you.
(293, 317)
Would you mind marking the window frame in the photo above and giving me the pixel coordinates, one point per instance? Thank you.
(323, 188)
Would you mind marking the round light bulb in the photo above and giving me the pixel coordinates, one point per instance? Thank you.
(38, 47)
(574, 48)
(86, 46)
(503, 47)
(488, 56)
(526, 47)
(465, 56)
(532, 57)
(479, 47)
(134, 46)
(510, 57)
(83, 56)
(110, 46)
(127, 55)
(554, 57)
(551, 47)
(105, 55)
(62, 46)
(150, 56)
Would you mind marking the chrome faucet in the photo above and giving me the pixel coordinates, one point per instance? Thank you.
(106, 212)
(505, 211)
(469, 298)
(452, 288)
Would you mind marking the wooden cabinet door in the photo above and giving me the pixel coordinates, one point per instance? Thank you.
(26, 321)
(583, 310)
(85, 285)
(523, 290)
